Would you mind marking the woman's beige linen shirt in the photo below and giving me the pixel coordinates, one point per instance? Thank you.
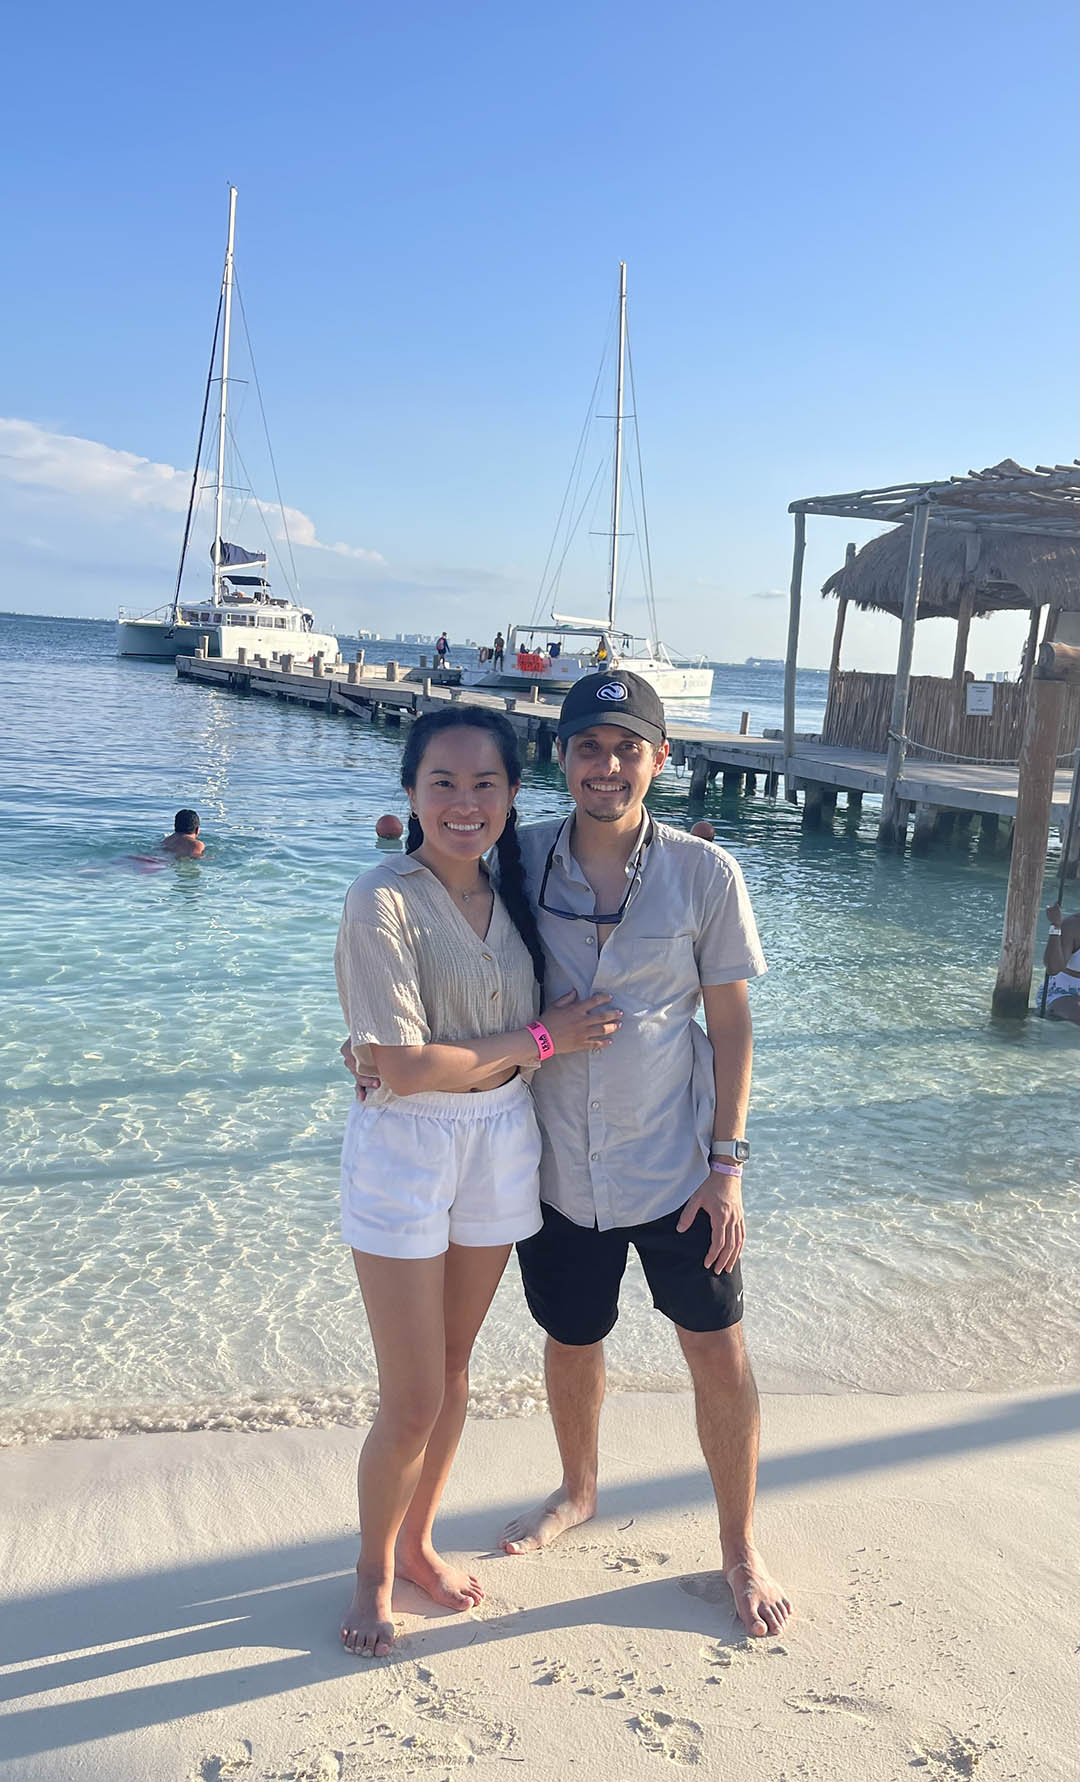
(410, 971)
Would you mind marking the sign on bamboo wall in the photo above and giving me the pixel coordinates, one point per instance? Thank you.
(860, 708)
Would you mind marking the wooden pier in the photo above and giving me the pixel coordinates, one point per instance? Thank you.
(942, 797)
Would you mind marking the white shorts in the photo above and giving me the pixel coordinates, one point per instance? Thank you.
(425, 1171)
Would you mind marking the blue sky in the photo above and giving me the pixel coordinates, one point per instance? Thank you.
(852, 252)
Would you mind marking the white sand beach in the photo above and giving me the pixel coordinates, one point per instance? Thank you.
(171, 1606)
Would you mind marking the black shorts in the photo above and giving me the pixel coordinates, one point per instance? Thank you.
(572, 1273)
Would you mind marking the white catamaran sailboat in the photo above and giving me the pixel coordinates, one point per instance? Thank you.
(239, 609)
(556, 654)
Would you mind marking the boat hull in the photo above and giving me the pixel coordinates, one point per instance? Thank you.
(666, 678)
(155, 641)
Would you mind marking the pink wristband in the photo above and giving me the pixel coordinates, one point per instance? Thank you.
(545, 1045)
(727, 1169)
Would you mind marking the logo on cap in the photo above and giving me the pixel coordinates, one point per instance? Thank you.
(611, 690)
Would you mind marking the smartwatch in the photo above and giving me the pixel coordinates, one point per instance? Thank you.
(736, 1150)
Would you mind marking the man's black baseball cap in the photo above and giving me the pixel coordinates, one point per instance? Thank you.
(617, 697)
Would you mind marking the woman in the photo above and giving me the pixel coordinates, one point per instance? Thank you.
(439, 977)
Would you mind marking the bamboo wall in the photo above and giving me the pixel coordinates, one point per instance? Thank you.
(860, 706)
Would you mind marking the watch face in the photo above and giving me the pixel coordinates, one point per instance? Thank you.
(742, 1150)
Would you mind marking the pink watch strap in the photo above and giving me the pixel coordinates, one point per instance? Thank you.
(727, 1169)
(545, 1045)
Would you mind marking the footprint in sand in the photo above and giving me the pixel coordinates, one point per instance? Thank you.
(217, 1766)
(634, 1562)
(853, 1706)
(959, 1757)
(422, 1724)
(310, 1766)
(723, 1657)
(677, 1741)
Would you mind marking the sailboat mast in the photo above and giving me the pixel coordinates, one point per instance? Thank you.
(226, 293)
(616, 493)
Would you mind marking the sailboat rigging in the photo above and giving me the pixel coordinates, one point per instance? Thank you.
(557, 653)
(240, 610)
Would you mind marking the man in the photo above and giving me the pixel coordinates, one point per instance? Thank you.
(644, 1139)
(442, 649)
(497, 650)
(662, 921)
(1062, 961)
(184, 839)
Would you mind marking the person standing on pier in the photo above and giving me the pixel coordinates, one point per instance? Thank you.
(439, 977)
(497, 652)
(442, 649)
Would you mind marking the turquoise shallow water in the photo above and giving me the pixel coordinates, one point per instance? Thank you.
(173, 1103)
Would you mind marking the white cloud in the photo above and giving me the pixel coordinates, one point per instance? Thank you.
(31, 456)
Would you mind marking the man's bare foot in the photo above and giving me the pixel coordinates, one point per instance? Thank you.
(368, 1629)
(543, 1524)
(760, 1602)
(445, 1584)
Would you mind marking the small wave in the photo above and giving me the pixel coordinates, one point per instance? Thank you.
(30, 1426)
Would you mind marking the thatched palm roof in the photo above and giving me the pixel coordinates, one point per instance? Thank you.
(1012, 570)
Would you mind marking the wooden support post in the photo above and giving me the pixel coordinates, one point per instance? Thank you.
(534, 693)
(426, 686)
(792, 657)
(545, 739)
(963, 628)
(731, 780)
(286, 664)
(772, 784)
(1031, 831)
(744, 723)
(989, 824)
(699, 780)
(925, 830)
(354, 673)
(813, 808)
(511, 705)
(854, 802)
(391, 671)
(890, 832)
(241, 655)
(455, 696)
(678, 754)
(360, 660)
(838, 633)
(317, 666)
(423, 661)
(750, 784)
(1031, 645)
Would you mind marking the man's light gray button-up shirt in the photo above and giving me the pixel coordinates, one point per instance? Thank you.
(627, 1130)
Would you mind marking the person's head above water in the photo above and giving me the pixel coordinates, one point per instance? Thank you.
(612, 744)
(185, 835)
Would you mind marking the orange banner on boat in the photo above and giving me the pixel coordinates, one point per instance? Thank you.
(530, 662)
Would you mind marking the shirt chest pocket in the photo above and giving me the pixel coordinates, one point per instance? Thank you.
(646, 976)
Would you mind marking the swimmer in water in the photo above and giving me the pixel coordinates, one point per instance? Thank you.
(184, 839)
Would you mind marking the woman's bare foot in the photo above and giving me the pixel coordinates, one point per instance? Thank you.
(545, 1522)
(368, 1629)
(760, 1602)
(445, 1584)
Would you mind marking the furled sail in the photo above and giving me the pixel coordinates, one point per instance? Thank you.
(232, 554)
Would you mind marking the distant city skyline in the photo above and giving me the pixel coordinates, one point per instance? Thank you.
(823, 295)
